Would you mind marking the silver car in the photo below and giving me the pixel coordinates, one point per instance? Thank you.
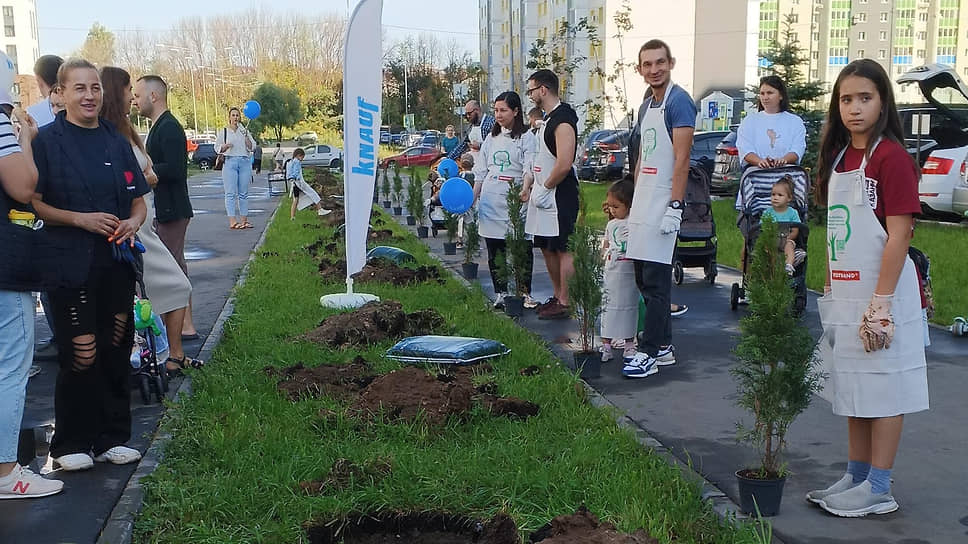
(323, 155)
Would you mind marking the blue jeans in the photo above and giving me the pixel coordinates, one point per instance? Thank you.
(16, 354)
(236, 175)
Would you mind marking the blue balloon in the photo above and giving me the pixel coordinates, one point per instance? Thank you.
(456, 195)
(252, 109)
(448, 168)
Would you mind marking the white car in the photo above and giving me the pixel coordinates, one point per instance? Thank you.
(323, 155)
(946, 143)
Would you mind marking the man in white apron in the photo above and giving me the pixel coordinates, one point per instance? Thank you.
(667, 121)
(553, 196)
(481, 125)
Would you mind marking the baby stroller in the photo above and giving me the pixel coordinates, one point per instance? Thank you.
(150, 374)
(755, 188)
(696, 244)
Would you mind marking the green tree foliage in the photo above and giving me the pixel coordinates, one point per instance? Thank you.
(415, 198)
(281, 109)
(518, 246)
(98, 47)
(585, 285)
(776, 375)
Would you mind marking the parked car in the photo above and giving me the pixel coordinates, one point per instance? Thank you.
(608, 160)
(192, 143)
(943, 168)
(385, 134)
(323, 155)
(397, 139)
(590, 155)
(203, 156)
(430, 140)
(959, 195)
(306, 138)
(726, 165)
(412, 156)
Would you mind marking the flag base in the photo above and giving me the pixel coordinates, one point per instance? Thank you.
(347, 301)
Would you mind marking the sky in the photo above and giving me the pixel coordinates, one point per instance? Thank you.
(63, 30)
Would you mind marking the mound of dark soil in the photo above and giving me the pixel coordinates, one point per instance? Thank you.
(512, 407)
(532, 370)
(413, 528)
(332, 270)
(373, 323)
(409, 393)
(583, 527)
(386, 271)
(322, 246)
(337, 381)
(380, 235)
(344, 472)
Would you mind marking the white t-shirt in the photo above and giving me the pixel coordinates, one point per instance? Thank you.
(237, 138)
(771, 135)
(42, 113)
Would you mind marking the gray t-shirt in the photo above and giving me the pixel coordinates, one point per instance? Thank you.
(680, 112)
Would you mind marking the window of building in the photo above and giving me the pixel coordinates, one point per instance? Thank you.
(860, 18)
(861, 36)
(816, 36)
(860, 53)
(815, 55)
(882, 35)
(923, 16)
(922, 35)
(794, 17)
(882, 54)
(9, 30)
(920, 53)
(12, 53)
(883, 17)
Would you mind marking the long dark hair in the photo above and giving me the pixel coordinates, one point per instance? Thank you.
(836, 136)
(777, 83)
(513, 102)
(114, 82)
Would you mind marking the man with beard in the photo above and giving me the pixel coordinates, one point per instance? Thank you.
(481, 125)
(553, 196)
(667, 120)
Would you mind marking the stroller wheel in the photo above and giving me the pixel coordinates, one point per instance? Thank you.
(734, 297)
(163, 374)
(144, 387)
(677, 272)
(159, 387)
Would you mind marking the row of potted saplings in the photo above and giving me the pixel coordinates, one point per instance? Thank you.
(776, 371)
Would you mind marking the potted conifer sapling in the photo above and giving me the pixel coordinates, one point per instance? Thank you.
(414, 202)
(397, 193)
(776, 373)
(450, 225)
(472, 242)
(518, 251)
(385, 187)
(585, 296)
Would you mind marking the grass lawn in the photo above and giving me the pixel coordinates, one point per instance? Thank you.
(239, 448)
(945, 246)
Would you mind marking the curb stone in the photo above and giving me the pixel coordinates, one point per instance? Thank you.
(119, 527)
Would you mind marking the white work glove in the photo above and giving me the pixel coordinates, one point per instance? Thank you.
(671, 221)
(877, 326)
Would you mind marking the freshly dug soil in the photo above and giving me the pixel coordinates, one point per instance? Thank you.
(532, 370)
(380, 235)
(332, 270)
(513, 408)
(583, 527)
(386, 271)
(373, 323)
(322, 246)
(337, 381)
(409, 393)
(414, 528)
(344, 472)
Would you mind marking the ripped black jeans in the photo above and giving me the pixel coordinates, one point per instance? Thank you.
(95, 324)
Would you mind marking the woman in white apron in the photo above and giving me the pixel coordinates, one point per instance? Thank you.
(873, 343)
(504, 159)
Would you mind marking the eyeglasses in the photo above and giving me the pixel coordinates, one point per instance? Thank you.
(529, 91)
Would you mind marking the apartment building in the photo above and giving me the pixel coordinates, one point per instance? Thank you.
(20, 36)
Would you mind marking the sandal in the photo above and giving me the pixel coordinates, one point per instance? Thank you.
(184, 363)
(247, 225)
(236, 226)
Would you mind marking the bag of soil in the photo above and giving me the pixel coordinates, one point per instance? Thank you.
(455, 350)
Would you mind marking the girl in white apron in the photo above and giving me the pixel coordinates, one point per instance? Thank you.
(872, 347)
(504, 159)
(621, 309)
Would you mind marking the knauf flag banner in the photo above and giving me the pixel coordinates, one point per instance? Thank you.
(362, 101)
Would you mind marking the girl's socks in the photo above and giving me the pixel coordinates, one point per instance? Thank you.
(880, 479)
(859, 470)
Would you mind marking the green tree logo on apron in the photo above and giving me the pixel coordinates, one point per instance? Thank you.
(648, 143)
(838, 229)
(501, 159)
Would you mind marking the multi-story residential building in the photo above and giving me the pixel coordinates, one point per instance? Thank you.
(20, 37)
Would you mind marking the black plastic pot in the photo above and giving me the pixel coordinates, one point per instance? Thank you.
(386, 204)
(411, 220)
(764, 495)
(514, 306)
(470, 272)
(398, 210)
(450, 248)
(588, 363)
(422, 232)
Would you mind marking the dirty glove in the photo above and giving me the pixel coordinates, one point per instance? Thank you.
(671, 221)
(877, 326)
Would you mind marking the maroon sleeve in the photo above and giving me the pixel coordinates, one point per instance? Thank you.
(897, 187)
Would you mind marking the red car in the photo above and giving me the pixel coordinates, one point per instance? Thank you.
(412, 156)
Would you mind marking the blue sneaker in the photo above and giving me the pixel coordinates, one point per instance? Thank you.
(640, 366)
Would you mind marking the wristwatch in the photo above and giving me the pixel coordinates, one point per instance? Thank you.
(677, 204)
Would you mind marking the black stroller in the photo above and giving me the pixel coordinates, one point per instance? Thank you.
(755, 188)
(696, 245)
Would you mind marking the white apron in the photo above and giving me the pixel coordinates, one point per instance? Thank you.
(886, 382)
(542, 218)
(505, 164)
(653, 189)
(620, 315)
(307, 195)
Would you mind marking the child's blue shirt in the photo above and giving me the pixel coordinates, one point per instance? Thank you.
(788, 216)
(294, 169)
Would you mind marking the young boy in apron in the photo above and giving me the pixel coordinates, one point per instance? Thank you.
(873, 343)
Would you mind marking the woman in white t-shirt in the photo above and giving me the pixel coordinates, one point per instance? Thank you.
(235, 142)
(773, 136)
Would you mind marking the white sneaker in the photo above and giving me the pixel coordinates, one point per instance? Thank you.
(666, 356)
(859, 501)
(530, 303)
(119, 455)
(840, 485)
(606, 351)
(640, 366)
(499, 301)
(324, 211)
(22, 483)
(74, 461)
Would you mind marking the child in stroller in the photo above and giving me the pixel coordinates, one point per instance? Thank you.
(755, 199)
(784, 214)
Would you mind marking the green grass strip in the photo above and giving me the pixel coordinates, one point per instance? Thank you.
(239, 448)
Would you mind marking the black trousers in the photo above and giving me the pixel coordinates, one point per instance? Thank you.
(92, 397)
(654, 281)
(499, 245)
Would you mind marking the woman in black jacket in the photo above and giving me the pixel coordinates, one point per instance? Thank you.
(89, 193)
